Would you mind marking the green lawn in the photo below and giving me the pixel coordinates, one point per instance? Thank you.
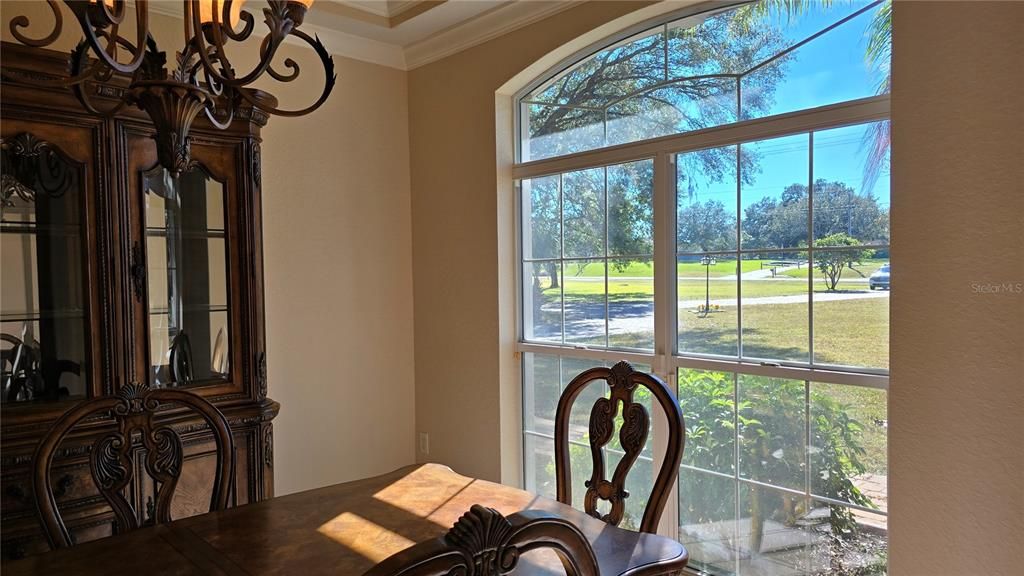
(686, 269)
(577, 287)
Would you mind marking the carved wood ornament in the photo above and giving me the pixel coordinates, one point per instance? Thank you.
(623, 382)
(111, 466)
(483, 542)
(32, 165)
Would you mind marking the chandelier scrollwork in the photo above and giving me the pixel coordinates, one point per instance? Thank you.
(202, 79)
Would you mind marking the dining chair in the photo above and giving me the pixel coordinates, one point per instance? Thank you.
(623, 382)
(483, 542)
(111, 463)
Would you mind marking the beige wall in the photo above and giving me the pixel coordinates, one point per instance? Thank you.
(338, 264)
(956, 404)
(957, 400)
(338, 258)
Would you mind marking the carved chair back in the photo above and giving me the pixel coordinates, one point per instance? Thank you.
(623, 382)
(483, 542)
(111, 466)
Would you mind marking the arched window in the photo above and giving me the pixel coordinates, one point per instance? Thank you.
(708, 197)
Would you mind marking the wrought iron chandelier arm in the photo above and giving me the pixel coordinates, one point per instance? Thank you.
(22, 22)
(244, 16)
(329, 80)
(279, 23)
(80, 61)
(84, 11)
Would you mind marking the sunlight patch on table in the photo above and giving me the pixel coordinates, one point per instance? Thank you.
(364, 537)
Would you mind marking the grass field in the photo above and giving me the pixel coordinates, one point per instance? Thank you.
(641, 269)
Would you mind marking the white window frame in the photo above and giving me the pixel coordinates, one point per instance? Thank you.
(666, 358)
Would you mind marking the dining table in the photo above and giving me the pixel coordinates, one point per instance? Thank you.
(344, 529)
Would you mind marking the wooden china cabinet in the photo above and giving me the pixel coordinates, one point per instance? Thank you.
(116, 271)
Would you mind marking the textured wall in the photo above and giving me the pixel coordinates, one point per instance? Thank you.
(956, 403)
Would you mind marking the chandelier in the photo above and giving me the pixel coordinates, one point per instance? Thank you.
(200, 80)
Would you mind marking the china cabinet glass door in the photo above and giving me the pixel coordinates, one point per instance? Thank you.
(43, 305)
(187, 276)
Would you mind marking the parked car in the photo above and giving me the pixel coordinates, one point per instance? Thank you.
(879, 278)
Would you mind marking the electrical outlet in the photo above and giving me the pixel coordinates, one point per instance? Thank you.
(424, 443)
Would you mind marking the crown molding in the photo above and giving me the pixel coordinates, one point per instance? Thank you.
(498, 21)
(355, 47)
(487, 26)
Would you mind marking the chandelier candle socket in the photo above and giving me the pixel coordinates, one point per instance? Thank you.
(202, 80)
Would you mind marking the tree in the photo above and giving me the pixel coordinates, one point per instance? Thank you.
(769, 223)
(705, 227)
(832, 262)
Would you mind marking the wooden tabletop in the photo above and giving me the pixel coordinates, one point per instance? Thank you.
(341, 529)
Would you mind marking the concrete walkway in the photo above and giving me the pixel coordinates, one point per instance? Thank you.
(791, 299)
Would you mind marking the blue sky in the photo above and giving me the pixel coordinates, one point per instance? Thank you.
(829, 69)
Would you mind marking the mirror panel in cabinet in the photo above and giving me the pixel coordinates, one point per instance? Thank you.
(187, 272)
(43, 312)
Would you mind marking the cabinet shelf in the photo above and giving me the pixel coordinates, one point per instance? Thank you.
(36, 229)
(34, 315)
(190, 234)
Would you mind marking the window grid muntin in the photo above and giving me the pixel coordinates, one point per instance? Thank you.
(606, 258)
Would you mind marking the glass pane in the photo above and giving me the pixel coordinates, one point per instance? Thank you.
(630, 304)
(683, 106)
(774, 192)
(851, 185)
(709, 410)
(542, 224)
(706, 200)
(771, 415)
(851, 307)
(708, 319)
(542, 386)
(846, 541)
(43, 320)
(772, 536)
(848, 444)
(579, 414)
(542, 301)
(558, 130)
(540, 466)
(775, 299)
(583, 213)
(631, 209)
(831, 68)
(612, 73)
(586, 310)
(186, 256)
(707, 520)
(705, 44)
